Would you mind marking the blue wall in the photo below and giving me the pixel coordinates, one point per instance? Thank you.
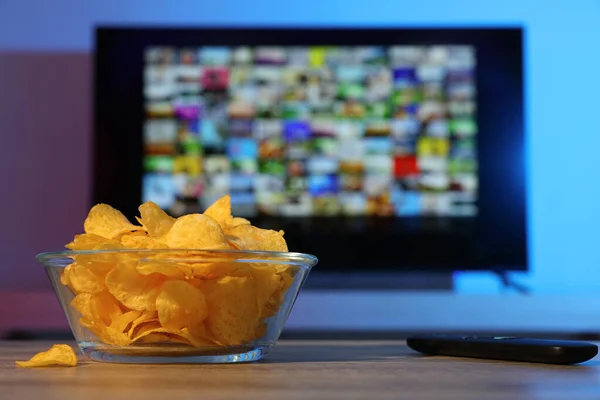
(562, 88)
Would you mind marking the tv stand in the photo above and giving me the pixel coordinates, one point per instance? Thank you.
(510, 284)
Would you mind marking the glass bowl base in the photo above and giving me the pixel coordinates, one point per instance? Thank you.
(172, 354)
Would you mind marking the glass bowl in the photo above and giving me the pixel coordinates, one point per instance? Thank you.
(176, 306)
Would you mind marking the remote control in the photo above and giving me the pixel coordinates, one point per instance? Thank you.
(505, 348)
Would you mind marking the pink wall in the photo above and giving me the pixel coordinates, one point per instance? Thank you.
(45, 127)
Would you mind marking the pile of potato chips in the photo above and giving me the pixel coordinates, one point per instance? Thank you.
(190, 296)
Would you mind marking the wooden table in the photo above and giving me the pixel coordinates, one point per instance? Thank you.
(301, 370)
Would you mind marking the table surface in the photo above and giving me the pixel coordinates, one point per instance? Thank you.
(301, 369)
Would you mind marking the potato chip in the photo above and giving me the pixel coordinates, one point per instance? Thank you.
(213, 270)
(65, 276)
(159, 337)
(220, 211)
(100, 268)
(268, 286)
(91, 241)
(287, 273)
(106, 334)
(253, 238)
(83, 279)
(88, 277)
(156, 222)
(234, 242)
(141, 327)
(105, 256)
(58, 355)
(142, 242)
(83, 304)
(196, 231)
(135, 291)
(145, 317)
(101, 308)
(198, 337)
(233, 315)
(154, 333)
(107, 222)
(239, 221)
(180, 305)
(140, 233)
(170, 269)
(124, 321)
(147, 329)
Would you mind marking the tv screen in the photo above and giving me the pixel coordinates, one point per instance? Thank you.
(305, 131)
(374, 149)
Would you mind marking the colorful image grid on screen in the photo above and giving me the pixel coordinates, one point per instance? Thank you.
(312, 131)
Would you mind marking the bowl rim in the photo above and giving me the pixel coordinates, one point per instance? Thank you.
(303, 260)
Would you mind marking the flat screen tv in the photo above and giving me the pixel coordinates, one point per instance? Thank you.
(396, 149)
